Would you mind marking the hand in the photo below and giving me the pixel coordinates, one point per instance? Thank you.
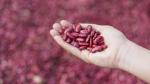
(110, 57)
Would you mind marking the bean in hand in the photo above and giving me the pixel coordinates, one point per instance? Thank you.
(84, 38)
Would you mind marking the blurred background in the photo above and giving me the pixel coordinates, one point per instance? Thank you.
(29, 55)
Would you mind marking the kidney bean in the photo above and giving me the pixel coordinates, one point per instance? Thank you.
(97, 39)
(73, 26)
(98, 48)
(101, 39)
(101, 43)
(68, 30)
(88, 38)
(80, 39)
(98, 33)
(82, 47)
(68, 40)
(82, 35)
(89, 48)
(91, 42)
(70, 36)
(95, 35)
(104, 46)
(92, 33)
(94, 46)
(64, 37)
(75, 34)
(64, 27)
(78, 28)
(89, 28)
(83, 44)
(84, 32)
(75, 44)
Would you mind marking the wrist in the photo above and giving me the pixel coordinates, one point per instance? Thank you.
(124, 54)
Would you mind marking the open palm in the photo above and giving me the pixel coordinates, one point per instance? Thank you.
(114, 39)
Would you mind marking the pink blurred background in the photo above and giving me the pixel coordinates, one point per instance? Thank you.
(29, 55)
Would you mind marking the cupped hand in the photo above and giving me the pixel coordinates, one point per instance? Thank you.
(110, 57)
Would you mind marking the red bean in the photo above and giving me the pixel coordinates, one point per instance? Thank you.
(78, 28)
(84, 32)
(70, 36)
(75, 34)
(97, 39)
(89, 48)
(65, 37)
(80, 39)
(89, 28)
(82, 35)
(98, 48)
(64, 27)
(82, 47)
(94, 46)
(102, 38)
(73, 26)
(95, 35)
(92, 33)
(104, 46)
(88, 38)
(101, 43)
(68, 30)
(83, 44)
(75, 44)
(91, 42)
(68, 40)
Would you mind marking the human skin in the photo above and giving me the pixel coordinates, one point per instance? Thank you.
(121, 52)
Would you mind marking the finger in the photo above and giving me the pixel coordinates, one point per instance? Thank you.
(56, 26)
(65, 23)
(54, 33)
(75, 51)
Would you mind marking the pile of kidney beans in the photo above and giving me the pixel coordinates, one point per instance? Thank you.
(83, 38)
